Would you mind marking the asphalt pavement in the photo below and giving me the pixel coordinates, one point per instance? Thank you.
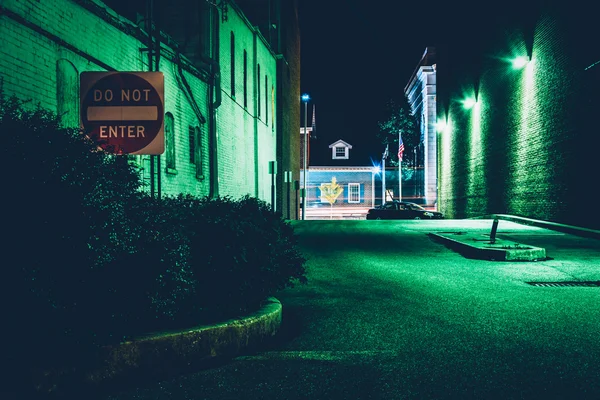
(389, 313)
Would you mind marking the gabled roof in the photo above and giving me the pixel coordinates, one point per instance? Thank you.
(340, 143)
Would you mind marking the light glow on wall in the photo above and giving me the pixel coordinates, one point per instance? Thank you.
(520, 62)
(440, 125)
(469, 103)
(476, 178)
(446, 167)
(525, 142)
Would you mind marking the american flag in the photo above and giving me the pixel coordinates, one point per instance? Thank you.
(400, 148)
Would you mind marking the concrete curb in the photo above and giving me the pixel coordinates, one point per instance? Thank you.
(163, 353)
(571, 229)
(482, 249)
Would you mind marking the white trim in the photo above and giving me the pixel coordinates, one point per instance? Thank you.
(341, 169)
(340, 142)
(321, 198)
(334, 155)
(350, 192)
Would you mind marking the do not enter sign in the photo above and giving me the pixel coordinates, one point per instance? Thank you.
(124, 111)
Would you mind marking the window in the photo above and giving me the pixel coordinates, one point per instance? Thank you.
(204, 29)
(340, 150)
(67, 91)
(170, 141)
(321, 197)
(258, 86)
(354, 193)
(232, 62)
(196, 150)
(193, 143)
(272, 107)
(267, 100)
(245, 79)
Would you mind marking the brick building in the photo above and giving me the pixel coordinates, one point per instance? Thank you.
(516, 100)
(224, 95)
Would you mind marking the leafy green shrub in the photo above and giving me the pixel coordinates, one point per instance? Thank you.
(66, 223)
(242, 253)
(163, 250)
(94, 260)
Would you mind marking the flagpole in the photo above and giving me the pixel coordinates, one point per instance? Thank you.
(400, 151)
(400, 180)
(385, 154)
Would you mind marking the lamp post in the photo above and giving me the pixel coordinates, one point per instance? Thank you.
(305, 99)
(383, 188)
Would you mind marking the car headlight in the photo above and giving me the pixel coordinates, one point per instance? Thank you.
(428, 214)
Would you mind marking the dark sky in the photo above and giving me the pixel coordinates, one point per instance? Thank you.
(357, 54)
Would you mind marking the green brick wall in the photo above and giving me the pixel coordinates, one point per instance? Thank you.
(45, 45)
(526, 147)
(245, 152)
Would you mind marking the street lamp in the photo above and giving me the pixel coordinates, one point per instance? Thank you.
(305, 99)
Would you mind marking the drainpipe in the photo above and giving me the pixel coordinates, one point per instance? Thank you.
(153, 65)
(214, 101)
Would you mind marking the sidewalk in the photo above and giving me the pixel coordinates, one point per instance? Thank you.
(488, 246)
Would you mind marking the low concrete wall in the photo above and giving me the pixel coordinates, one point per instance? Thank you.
(163, 353)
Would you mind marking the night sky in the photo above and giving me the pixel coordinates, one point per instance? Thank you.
(358, 55)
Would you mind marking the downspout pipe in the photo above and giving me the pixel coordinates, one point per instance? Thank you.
(214, 101)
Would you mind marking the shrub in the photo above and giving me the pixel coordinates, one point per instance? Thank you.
(66, 224)
(94, 260)
(249, 255)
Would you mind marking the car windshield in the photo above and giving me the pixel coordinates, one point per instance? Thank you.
(415, 207)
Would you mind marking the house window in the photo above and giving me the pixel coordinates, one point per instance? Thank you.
(170, 141)
(193, 143)
(321, 197)
(232, 62)
(340, 152)
(245, 79)
(354, 193)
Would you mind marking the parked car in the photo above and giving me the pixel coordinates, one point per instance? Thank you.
(402, 210)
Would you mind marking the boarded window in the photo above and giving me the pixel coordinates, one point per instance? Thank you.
(232, 62)
(170, 140)
(196, 149)
(245, 79)
(67, 93)
(258, 86)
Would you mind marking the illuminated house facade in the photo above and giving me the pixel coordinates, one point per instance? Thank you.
(227, 112)
(515, 114)
(334, 162)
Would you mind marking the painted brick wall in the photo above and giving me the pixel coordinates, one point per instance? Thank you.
(526, 147)
(246, 141)
(89, 36)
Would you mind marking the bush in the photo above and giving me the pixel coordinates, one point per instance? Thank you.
(94, 260)
(66, 224)
(249, 255)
